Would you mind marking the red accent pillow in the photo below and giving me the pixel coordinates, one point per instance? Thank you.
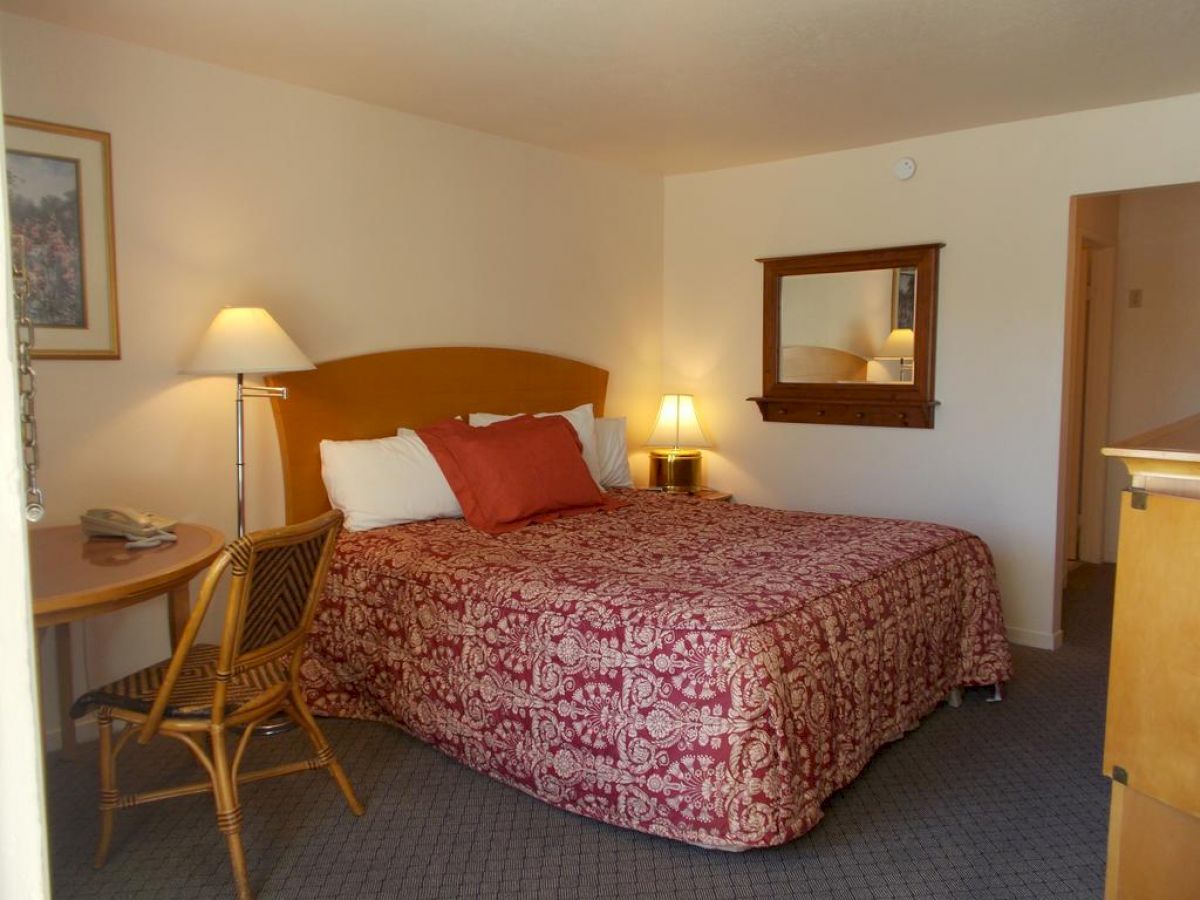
(514, 472)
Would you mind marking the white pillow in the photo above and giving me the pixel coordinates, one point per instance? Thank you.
(386, 481)
(581, 419)
(613, 453)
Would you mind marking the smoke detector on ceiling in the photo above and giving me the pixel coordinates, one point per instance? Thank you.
(905, 168)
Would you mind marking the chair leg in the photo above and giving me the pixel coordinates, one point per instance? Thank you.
(325, 754)
(108, 787)
(229, 813)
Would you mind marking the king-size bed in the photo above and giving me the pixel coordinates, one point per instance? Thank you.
(706, 672)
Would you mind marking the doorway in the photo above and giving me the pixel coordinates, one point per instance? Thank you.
(1132, 325)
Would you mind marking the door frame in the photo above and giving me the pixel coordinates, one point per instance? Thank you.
(1087, 371)
(1097, 389)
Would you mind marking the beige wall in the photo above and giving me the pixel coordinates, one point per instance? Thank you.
(360, 228)
(999, 198)
(1156, 360)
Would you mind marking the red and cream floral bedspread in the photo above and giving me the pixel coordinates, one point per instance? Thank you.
(703, 671)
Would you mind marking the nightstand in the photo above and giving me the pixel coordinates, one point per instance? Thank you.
(698, 494)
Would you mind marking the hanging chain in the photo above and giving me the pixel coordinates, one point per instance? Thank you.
(35, 508)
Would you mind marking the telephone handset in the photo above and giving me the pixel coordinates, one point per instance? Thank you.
(142, 529)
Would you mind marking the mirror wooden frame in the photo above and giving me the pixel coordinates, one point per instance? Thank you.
(884, 404)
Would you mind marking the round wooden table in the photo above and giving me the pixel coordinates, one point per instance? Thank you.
(74, 577)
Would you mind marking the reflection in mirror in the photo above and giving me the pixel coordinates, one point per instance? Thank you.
(846, 327)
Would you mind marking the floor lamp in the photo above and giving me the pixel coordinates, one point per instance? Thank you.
(245, 340)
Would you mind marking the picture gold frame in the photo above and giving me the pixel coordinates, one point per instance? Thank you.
(903, 296)
(83, 260)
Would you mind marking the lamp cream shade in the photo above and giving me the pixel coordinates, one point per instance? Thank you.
(246, 339)
(899, 344)
(677, 425)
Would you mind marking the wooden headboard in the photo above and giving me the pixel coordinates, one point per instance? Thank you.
(802, 363)
(371, 396)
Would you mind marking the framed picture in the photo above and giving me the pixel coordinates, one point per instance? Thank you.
(904, 292)
(61, 221)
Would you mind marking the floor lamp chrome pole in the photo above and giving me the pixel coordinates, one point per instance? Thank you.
(246, 340)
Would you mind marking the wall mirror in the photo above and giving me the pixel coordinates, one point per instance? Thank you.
(848, 338)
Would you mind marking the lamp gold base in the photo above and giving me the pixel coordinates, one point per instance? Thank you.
(675, 470)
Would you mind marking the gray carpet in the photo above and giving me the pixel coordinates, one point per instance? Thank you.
(990, 800)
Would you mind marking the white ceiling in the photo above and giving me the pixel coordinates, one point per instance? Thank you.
(686, 85)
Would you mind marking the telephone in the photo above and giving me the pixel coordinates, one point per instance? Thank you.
(142, 529)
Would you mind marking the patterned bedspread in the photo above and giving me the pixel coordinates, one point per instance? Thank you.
(703, 671)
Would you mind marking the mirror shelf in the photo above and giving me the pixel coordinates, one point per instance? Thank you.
(849, 337)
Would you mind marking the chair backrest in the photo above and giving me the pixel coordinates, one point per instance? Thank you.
(278, 576)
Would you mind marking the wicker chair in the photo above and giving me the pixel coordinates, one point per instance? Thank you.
(277, 577)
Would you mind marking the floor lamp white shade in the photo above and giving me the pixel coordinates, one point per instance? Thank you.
(246, 340)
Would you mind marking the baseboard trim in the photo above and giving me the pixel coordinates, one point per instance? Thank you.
(85, 731)
(1027, 637)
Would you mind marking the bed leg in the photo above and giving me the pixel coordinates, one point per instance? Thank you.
(997, 693)
(955, 698)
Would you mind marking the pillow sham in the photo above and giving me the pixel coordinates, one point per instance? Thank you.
(612, 453)
(517, 471)
(582, 419)
(387, 481)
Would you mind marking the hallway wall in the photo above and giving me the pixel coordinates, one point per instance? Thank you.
(1155, 361)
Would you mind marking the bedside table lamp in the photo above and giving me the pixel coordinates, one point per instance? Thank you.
(675, 461)
(246, 341)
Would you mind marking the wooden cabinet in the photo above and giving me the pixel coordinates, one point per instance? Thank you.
(713, 494)
(1152, 733)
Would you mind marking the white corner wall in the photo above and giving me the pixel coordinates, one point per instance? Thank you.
(999, 198)
(849, 311)
(360, 228)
